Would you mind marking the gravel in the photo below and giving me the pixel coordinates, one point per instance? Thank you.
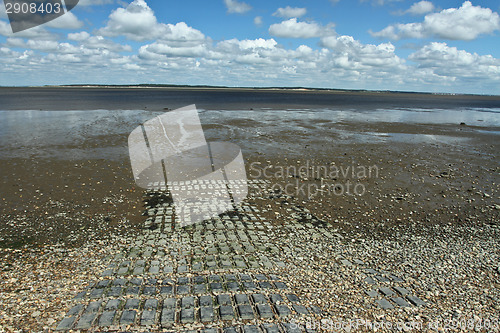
(424, 274)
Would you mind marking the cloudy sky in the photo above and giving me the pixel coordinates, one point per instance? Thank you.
(432, 46)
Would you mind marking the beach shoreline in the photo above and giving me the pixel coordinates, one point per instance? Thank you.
(428, 208)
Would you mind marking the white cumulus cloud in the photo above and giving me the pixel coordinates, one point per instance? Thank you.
(419, 8)
(42, 45)
(445, 61)
(350, 53)
(137, 22)
(258, 21)
(238, 7)
(66, 21)
(160, 48)
(288, 12)
(464, 23)
(98, 42)
(33, 33)
(293, 29)
(257, 43)
(181, 33)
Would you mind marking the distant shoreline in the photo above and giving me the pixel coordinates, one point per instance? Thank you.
(159, 97)
(260, 89)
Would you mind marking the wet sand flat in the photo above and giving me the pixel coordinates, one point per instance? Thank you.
(66, 167)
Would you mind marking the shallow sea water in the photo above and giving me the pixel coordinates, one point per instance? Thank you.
(102, 134)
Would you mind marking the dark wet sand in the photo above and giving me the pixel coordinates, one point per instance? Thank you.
(66, 185)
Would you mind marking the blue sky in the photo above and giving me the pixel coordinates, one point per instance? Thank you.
(431, 46)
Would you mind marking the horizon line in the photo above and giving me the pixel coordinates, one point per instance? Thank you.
(286, 88)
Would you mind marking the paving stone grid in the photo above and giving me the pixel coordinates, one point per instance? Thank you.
(212, 276)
